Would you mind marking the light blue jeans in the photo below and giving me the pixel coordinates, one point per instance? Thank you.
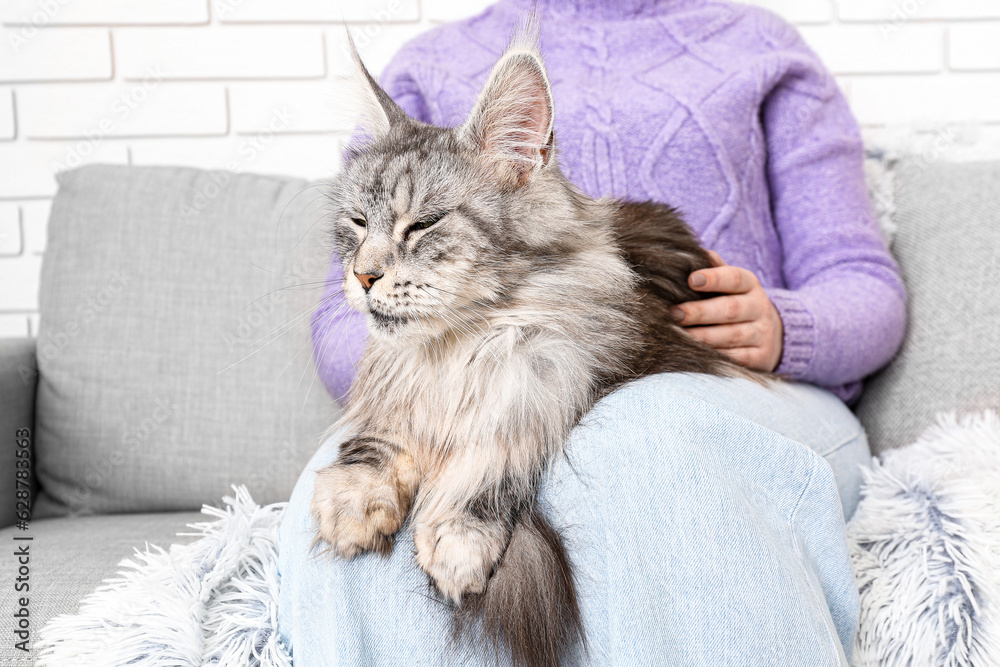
(702, 518)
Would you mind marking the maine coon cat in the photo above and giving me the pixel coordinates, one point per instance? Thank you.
(501, 303)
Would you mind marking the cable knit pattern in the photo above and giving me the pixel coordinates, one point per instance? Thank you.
(717, 108)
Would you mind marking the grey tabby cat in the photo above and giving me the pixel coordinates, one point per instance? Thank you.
(501, 302)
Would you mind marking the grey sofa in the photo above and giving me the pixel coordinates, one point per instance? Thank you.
(173, 358)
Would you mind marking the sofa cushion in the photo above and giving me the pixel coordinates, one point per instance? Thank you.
(172, 363)
(68, 558)
(948, 246)
(18, 380)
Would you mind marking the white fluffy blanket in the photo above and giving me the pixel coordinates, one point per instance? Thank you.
(925, 542)
(211, 602)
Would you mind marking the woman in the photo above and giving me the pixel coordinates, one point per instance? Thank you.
(702, 514)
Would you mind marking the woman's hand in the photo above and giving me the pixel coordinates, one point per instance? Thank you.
(743, 324)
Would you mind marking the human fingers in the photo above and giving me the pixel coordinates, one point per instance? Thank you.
(718, 310)
(728, 336)
(725, 279)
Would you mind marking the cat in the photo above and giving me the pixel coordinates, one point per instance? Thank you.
(501, 304)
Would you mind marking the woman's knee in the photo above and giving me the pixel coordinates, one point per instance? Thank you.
(296, 524)
(663, 440)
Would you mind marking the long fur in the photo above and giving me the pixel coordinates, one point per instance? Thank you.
(925, 543)
(212, 601)
(530, 595)
(501, 302)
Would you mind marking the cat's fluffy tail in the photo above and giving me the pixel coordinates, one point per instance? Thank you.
(529, 609)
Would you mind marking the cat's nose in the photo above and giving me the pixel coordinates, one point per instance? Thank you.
(367, 279)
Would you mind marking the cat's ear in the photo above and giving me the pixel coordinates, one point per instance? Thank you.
(376, 112)
(511, 123)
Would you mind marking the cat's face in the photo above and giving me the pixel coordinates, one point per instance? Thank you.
(428, 221)
(420, 229)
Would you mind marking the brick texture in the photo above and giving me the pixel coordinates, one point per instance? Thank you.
(123, 109)
(11, 238)
(286, 106)
(903, 11)
(28, 168)
(21, 272)
(35, 219)
(7, 125)
(103, 12)
(440, 11)
(800, 11)
(317, 11)
(248, 52)
(313, 156)
(975, 46)
(55, 54)
(863, 49)
(376, 43)
(258, 85)
(927, 100)
(14, 325)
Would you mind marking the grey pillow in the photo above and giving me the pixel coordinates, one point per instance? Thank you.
(172, 363)
(948, 246)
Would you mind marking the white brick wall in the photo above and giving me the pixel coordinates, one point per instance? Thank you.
(196, 82)
(122, 109)
(975, 46)
(103, 12)
(11, 237)
(33, 54)
(230, 52)
(921, 10)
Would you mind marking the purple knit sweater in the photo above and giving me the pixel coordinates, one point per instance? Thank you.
(716, 108)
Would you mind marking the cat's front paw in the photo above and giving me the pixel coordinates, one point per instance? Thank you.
(459, 553)
(357, 509)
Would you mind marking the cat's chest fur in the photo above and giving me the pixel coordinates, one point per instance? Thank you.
(437, 396)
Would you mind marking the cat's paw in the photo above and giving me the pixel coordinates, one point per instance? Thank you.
(459, 553)
(357, 509)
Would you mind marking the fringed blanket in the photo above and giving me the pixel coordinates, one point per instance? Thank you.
(925, 542)
(211, 602)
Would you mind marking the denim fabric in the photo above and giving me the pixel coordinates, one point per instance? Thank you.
(701, 517)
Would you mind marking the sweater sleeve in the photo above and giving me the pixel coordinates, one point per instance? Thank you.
(338, 331)
(843, 304)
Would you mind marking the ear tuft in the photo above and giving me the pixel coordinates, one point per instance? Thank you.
(375, 112)
(512, 120)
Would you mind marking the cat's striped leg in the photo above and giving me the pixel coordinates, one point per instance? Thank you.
(460, 539)
(363, 498)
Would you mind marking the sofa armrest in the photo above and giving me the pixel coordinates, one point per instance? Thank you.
(18, 382)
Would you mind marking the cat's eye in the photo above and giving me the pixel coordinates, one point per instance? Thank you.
(360, 222)
(428, 221)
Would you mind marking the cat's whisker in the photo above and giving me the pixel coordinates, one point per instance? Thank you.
(433, 340)
(462, 305)
(470, 334)
(455, 327)
(323, 194)
(442, 303)
(323, 330)
(310, 285)
(520, 331)
(473, 311)
(332, 317)
(297, 317)
(323, 335)
(292, 321)
(460, 319)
